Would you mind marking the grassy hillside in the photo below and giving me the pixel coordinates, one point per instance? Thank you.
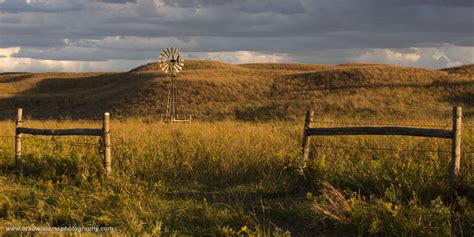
(211, 90)
(230, 178)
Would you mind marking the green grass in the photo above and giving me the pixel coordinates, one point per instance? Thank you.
(216, 178)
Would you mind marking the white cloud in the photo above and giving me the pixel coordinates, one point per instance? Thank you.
(123, 54)
(397, 56)
(238, 57)
(13, 64)
(447, 55)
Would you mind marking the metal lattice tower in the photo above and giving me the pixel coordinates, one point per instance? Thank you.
(171, 62)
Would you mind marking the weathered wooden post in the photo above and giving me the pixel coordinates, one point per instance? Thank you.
(455, 165)
(18, 123)
(306, 139)
(107, 144)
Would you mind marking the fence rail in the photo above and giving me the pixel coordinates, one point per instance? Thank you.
(104, 132)
(403, 131)
(62, 132)
(454, 135)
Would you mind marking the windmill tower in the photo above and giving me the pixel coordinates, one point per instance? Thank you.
(171, 63)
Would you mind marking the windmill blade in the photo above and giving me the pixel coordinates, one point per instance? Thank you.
(178, 54)
(172, 54)
(175, 53)
(171, 61)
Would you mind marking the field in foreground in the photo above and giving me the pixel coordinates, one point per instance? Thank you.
(236, 178)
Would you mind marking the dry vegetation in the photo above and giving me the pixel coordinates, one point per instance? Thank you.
(215, 178)
(235, 177)
(215, 91)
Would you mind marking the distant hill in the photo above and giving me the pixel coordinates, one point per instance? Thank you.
(467, 70)
(211, 90)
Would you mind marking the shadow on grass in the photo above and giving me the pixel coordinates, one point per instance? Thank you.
(18, 76)
(75, 98)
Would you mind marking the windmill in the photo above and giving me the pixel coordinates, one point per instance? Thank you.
(171, 62)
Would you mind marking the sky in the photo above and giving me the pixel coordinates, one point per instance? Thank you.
(118, 35)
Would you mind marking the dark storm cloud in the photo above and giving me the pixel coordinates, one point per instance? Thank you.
(98, 30)
(453, 3)
(18, 6)
(250, 6)
(119, 1)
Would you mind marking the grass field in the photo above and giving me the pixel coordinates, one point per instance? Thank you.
(238, 169)
(235, 178)
(215, 91)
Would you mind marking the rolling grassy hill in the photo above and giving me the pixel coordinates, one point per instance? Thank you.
(232, 178)
(211, 90)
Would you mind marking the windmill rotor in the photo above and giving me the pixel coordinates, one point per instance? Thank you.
(171, 61)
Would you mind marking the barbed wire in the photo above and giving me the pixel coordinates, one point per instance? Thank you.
(388, 149)
(78, 143)
(9, 136)
(55, 141)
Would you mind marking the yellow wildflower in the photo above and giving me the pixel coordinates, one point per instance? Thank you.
(309, 196)
(50, 185)
(244, 229)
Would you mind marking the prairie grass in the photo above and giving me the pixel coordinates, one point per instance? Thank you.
(215, 91)
(235, 178)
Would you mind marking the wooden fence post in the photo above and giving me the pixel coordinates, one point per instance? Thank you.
(455, 164)
(107, 145)
(306, 138)
(18, 124)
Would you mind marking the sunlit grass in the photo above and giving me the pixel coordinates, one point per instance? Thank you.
(233, 178)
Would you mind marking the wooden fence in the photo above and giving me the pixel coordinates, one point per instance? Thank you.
(103, 132)
(454, 135)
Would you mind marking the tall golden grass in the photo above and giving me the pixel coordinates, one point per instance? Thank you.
(213, 91)
(226, 178)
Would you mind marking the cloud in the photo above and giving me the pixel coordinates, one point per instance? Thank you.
(312, 31)
(445, 56)
(8, 63)
(238, 57)
(119, 1)
(51, 6)
(249, 6)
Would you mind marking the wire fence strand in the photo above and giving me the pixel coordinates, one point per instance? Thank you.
(388, 149)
